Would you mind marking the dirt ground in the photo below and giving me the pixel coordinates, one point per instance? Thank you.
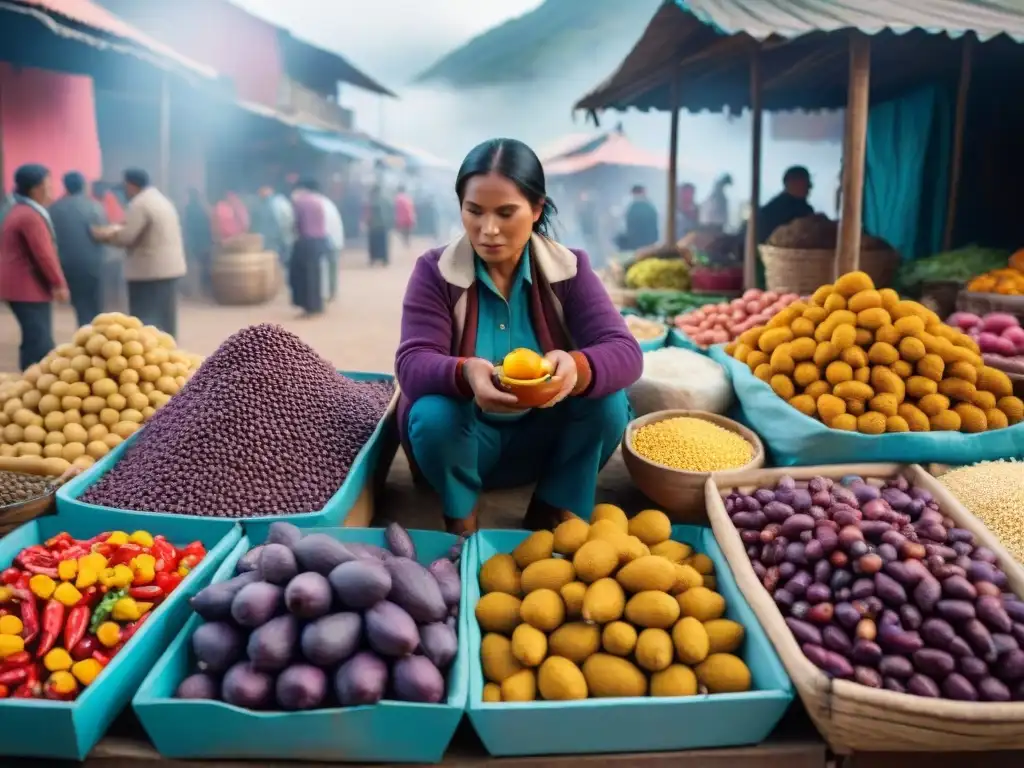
(358, 332)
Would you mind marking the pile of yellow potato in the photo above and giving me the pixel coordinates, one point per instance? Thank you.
(85, 397)
(612, 608)
(860, 359)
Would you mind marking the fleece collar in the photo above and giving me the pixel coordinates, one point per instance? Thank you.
(554, 261)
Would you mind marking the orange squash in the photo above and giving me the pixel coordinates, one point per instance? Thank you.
(1017, 260)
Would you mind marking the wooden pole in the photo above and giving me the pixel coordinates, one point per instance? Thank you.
(848, 244)
(165, 134)
(756, 118)
(960, 120)
(673, 162)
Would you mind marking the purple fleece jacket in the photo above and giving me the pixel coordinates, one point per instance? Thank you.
(427, 364)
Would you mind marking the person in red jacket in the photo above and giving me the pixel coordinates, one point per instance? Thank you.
(30, 274)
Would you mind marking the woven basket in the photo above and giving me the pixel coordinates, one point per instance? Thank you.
(248, 242)
(984, 303)
(852, 717)
(804, 270)
(245, 278)
(680, 494)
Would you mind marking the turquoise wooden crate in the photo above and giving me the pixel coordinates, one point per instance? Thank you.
(635, 724)
(389, 732)
(69, 730)
(676, 338)
(337, 507)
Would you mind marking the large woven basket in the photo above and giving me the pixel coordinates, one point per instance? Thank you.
(804, 270)
(984, 303)
(245, 278)
(680, 494)
(852, 717)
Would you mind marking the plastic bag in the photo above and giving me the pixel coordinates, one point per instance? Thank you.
(676, 378)
(793, 439)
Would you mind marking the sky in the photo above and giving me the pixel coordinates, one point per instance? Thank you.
(392, 40)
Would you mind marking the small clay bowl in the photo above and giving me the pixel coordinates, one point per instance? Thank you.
(530, 394)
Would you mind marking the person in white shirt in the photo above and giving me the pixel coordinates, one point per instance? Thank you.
(336, 234)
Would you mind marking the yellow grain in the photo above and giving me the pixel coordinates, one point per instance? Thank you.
(994, 492)
(693, 445)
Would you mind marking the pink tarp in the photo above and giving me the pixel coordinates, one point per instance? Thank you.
(617, 150)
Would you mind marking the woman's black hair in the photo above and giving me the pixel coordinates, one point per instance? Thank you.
(516, 162)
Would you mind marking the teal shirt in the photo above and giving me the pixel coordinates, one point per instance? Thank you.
(504, 325)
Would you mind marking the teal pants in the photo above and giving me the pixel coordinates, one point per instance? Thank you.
(461, 452)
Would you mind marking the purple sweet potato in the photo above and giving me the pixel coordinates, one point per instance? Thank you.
(278, 564)
(415, 678)
(920, 685)
(257, 603)
(399, 541)
(213, 603)
(301, 686)
(959, 688)
(272, 646)
(360, 584)
(447, 576)
(217, 645)
(198, 686)
(245, 686)
(250, 561)
(283, 533)
(308, 596)
(416, 590)
(332, 639)
(439, 643)
(361, 680)
(390, 630)
(321, 553)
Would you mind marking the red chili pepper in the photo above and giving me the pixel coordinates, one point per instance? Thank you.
(104, 657)
(76, 625)
(29, 618)
(168, 582)
(33, 675)
(73, 553)
(97, 539)
(15, 660)
(195, 548)
(148, 592)
(39, 558)
(53, 623)
(124, 554)
(4, 692)
(62, 536)
(189, 561)
(24, 691)
(15, 676)
(10, 575)
(29, 552)
(166, 555)
(104, 549)
(91, 596)
(132, 628)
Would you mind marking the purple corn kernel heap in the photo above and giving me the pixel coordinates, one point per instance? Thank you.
(265, 427)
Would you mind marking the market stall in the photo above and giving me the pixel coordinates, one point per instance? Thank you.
(746, 589)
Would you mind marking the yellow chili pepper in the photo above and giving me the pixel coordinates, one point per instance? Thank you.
(10, 644)
(63, 683)
(6, 594)
(10, 625)
(143, 561)
(117, 538)
(57, 660)
(126, 609)
(109, 634)
(142, 538)
(145, 608)
(42, 586)
(145, 569)
(67, 569)
(94, 561)
(85, 671)
(183, 571)
(118, 576)
(66, 594)
(87, 576)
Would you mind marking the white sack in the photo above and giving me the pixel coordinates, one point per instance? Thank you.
(676, 378)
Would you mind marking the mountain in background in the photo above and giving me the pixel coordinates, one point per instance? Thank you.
(542, 44)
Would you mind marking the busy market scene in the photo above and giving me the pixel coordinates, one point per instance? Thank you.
(632, 383)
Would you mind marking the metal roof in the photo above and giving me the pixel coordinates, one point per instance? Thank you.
(616, 149)
(96, 19)
(804, 55)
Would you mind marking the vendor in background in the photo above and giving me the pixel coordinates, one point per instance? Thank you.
(266, 223)
(155, 259)
(405, 215)
(198, 233)
(305, 269)
(335, 227)
(641, 222)
(505, 285)
(791, 203)
(30, 274)
(82, 257)
(687, 213)
(377, 225)
(714, 211)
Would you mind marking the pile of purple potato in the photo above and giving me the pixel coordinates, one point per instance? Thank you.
(879, 587)
(311, 622)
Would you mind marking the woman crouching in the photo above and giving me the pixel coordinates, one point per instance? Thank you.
(506, 285)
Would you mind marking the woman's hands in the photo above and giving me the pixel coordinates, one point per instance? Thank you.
(565, 372)
(479, 374)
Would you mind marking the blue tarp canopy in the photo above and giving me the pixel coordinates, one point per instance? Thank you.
(804, 57)
(350, 145)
